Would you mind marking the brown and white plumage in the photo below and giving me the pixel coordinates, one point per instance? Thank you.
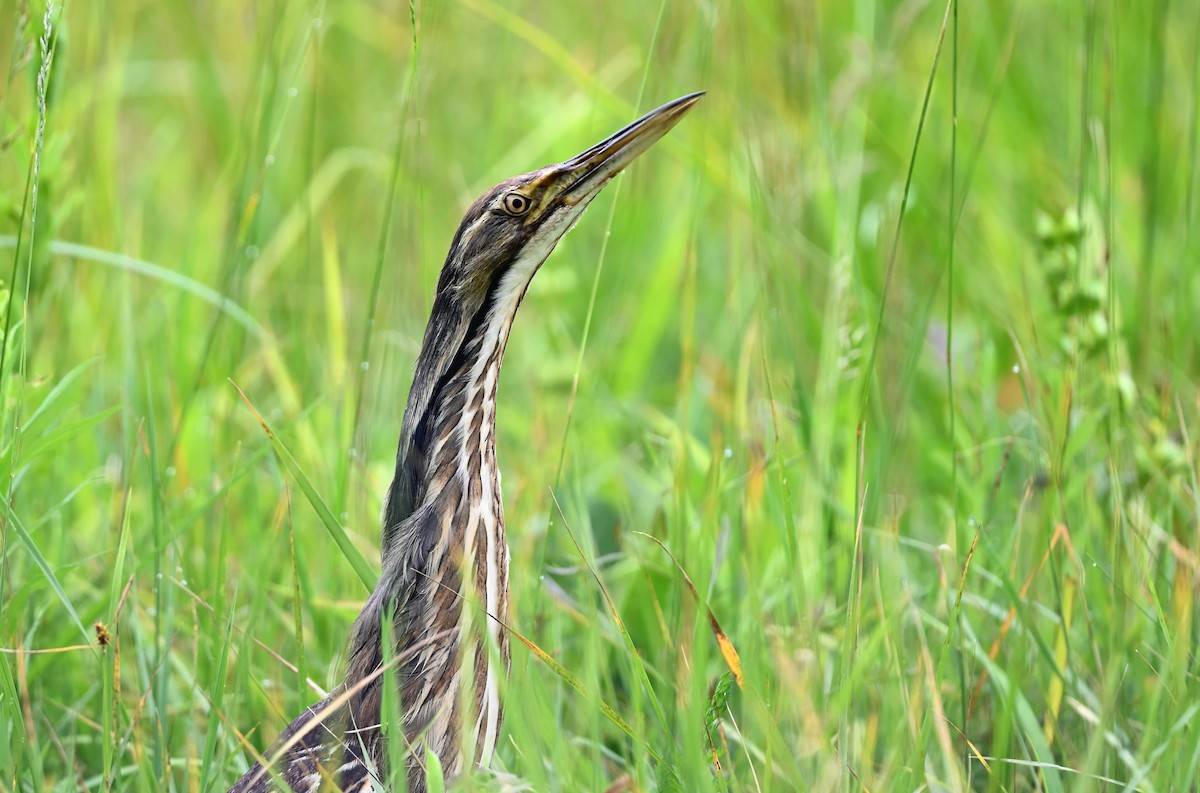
(443, 522)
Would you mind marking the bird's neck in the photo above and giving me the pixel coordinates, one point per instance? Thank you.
(461, 586)
(457, 446)
(449, 420)
(456, 373)
(445, 554)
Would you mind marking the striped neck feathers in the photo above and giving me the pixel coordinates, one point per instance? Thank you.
(456, 374)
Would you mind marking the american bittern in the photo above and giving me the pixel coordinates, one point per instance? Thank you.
(443, 524)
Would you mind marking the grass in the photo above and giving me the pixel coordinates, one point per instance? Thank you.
(889, 349)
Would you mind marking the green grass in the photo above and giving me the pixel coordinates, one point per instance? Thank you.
(933, 471)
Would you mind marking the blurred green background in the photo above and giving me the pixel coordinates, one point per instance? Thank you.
(892, 344)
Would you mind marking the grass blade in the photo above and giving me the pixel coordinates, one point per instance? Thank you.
(351, 554)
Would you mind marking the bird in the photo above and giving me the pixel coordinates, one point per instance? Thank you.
(442, 597)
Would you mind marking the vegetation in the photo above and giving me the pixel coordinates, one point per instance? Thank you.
(890, 349)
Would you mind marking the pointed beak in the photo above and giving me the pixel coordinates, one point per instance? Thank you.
(586, 173)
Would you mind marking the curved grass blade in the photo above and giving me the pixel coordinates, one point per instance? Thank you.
(728, 651)
(575, 683)
(356, 559)
(119, 261)
(39, 560)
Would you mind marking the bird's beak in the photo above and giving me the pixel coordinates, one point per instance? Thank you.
(586, 173)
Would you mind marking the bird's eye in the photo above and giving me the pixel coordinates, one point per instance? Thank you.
(516, 204)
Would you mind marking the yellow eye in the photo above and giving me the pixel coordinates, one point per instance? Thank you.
(516, 204)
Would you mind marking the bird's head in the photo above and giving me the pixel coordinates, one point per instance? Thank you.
(509, 231)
